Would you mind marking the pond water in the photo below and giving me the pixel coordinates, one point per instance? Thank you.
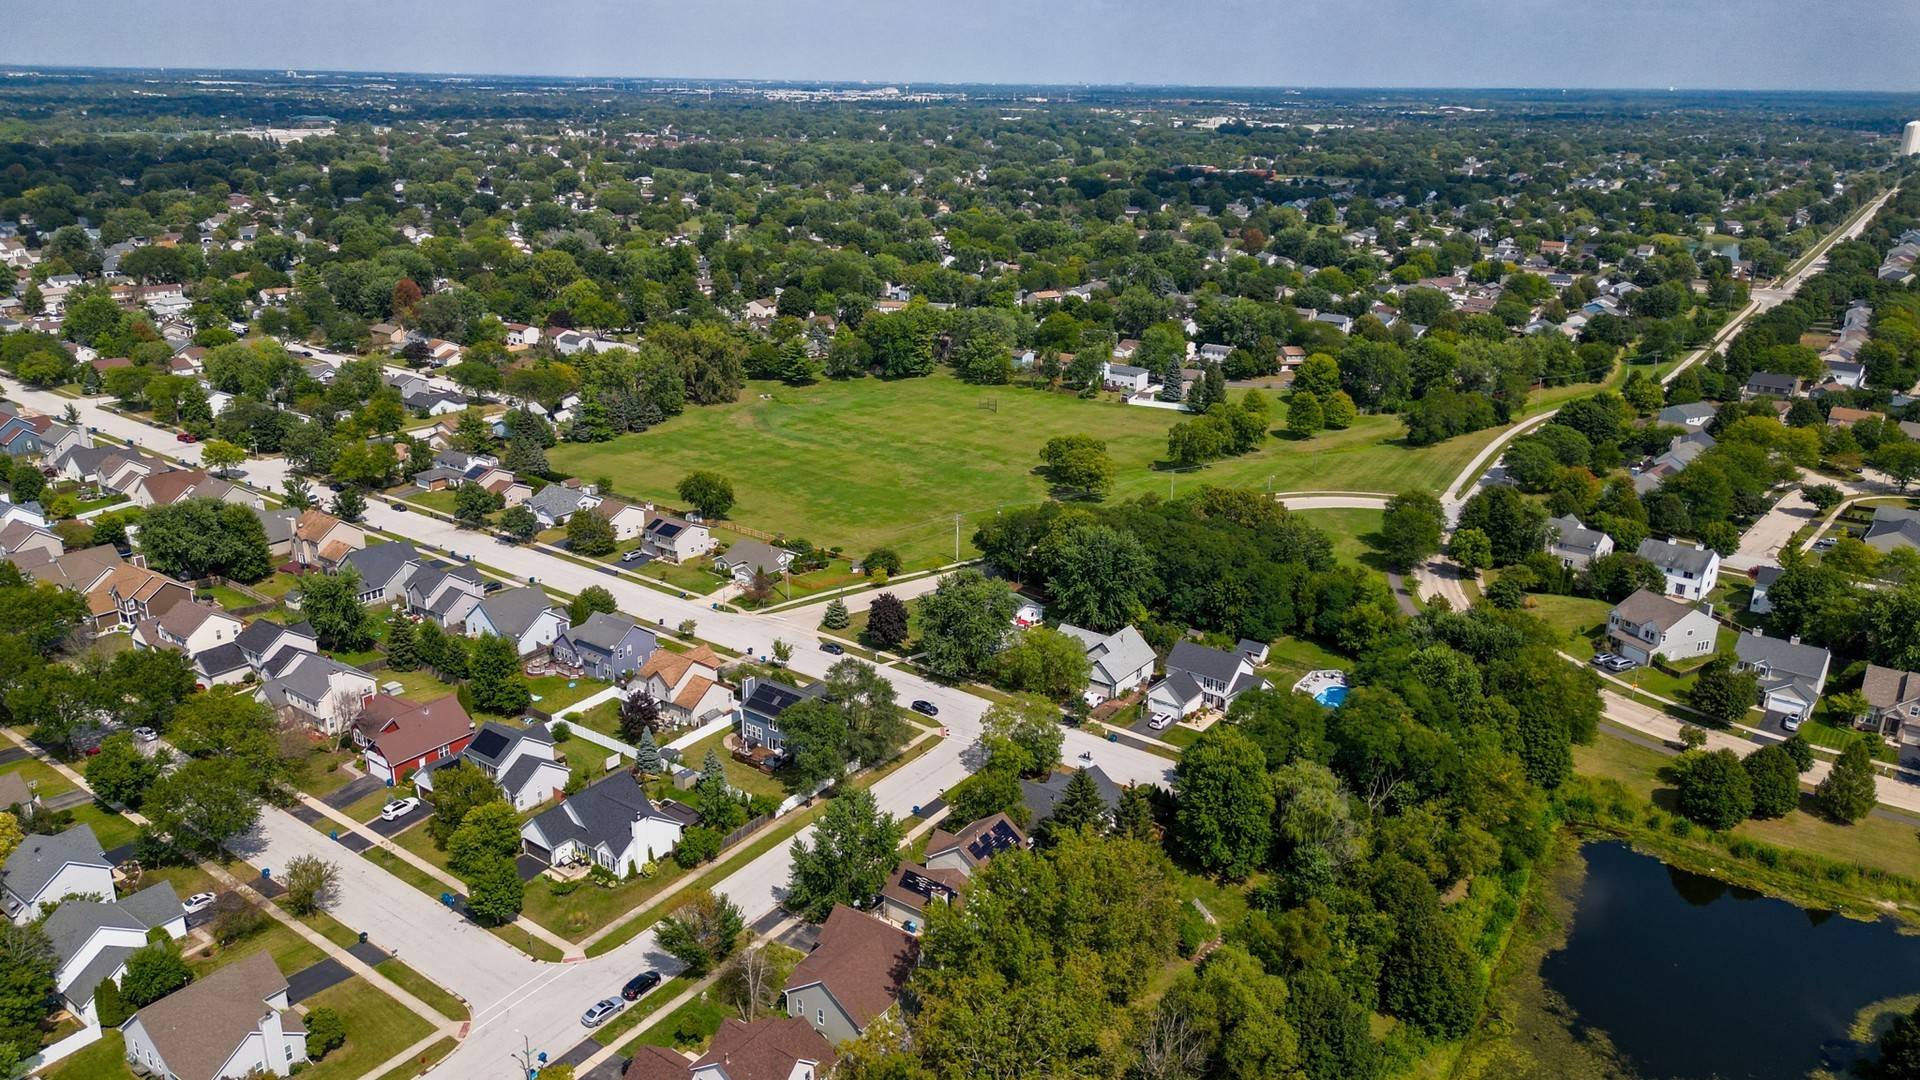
(1693, 978)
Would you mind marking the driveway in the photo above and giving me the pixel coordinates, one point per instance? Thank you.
(391, 829)
(309, 981)
(354, 792)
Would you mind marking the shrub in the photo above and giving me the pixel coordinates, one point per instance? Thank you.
(697, 845)
(325, 1032)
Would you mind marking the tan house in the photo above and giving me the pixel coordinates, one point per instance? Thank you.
(687, 685)
(191, 628)
(175, 485)
(320, 539)
(19, 537)
(628, 520)
(131, 594)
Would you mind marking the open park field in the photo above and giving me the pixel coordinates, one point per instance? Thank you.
(867, 462)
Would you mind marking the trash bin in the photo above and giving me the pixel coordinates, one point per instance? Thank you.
(363, 937)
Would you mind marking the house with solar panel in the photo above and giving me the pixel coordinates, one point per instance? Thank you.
(910, 889)
(974, 846)
(761, 703)
(520, 760)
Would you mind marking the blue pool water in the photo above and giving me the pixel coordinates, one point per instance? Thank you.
(1332, 697)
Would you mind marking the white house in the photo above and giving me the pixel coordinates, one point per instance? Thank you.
(520, 760)
(237, 1021)
(44, 869)
(610, 823)
(1645, 626)
(523, 616)
(1121, 660)
(1691, 572)
(1575, 545)
(1201, 677)
(93, 939)
(317, 690)
(1124, 377)
(676, 540)
(1791, 675)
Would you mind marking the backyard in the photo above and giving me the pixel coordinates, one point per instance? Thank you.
(867, 463)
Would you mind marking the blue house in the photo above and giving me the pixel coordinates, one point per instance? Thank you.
(607, 646)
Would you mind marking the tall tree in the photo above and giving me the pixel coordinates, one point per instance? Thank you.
(1411, 529)
(708, 492)
(1224, 818)
(854, 848)
(963, 623)
(331, 603)
(499, 686)
(703, 930)
(887, 621)
(401, 655)
(1849, 792)
(1101, 577)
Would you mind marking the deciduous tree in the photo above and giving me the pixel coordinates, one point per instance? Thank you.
(853, 850)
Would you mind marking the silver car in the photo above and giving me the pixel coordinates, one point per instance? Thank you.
(602, 1011)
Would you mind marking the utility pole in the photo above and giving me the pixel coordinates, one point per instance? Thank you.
(956, 538)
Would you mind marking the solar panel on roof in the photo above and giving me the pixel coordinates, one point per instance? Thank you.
(920, 883)
(489, 743)
(995, 840)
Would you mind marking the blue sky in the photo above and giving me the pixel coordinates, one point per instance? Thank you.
(1728, 44)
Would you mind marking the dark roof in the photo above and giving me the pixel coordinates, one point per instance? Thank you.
(1040, 796)
(861, 960)
(601, 812)
(602, 630)
(522, 771)
(493, 743)
(768, 699)
(981, 840)
(220, 659)
(1203, 661)
(378, 563)
(1668, 555)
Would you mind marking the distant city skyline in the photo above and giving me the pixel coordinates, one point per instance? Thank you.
(1627, 44)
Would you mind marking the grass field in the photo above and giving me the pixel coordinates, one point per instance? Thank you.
(377, 1028)
(868, 463)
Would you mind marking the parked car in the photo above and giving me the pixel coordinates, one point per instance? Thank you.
(399, 507)
(399, 808)
(1161, 721)
(145, 734)
(1601, 660)
(197, 903)
(185, 436)
(633, 556)
(1825, 543)
(925, 708)
(1616, 664)
(602, 1011)
(640, 984)
(832, 648)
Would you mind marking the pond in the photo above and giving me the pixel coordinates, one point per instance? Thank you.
(1693, 978)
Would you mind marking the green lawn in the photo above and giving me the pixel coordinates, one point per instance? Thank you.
(378, 1027)
(865, 463)
(1352, 533)
(429, 1058)
(104, 1060)
(751, 781)
(288, 949)
(228, 597)
(552, 692)
(425, 989)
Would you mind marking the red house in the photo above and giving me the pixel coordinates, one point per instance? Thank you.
(398, 736)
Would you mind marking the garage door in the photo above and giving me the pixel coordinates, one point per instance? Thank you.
(537, 851)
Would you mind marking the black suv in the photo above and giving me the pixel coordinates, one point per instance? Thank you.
(640, 984)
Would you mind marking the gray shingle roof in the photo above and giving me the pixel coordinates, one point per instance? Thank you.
(220, 659)
(1210, 663)
(378, 563)
(1784, 658)
(309, 676)
(555, 500)
(1668, 555)
(34, 863)
(602, 630)
(512, 611)
(1645, 607)
(1574, 536)
(75, 922)
(601, 813)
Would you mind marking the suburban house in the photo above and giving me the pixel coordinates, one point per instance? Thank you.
(320, 539)
(973, 846)
(687, 685)
(445, 594)
(853, 976)
(20, 537)
(178, 485)
(609, 823)
(1575, 545)
(1040, 796)
(1646, 626)
(237, 1021)
(783, 1048)
(744, 558)
(1893, 705)
(46, 868)
(607, 646)
(316, 690)
(1693, 416)
(628, 520)
(676, 540)
(397, 737)
(1892, 527)
(911, 888)
(191, 628)
(1763, 579)
(1121, 660)
(1691, 571)
(262, 642)
(761, 703)
(1771, 384)
(79, 571)
(524, 616)
(93, 939)
(520, 760)
(555, 503)
(1201, 677)
(384, 570)
(1791, 674)
(16, 797)
(130, 594)
(1124, 377)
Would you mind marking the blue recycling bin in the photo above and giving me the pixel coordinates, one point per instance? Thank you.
(1113, 736)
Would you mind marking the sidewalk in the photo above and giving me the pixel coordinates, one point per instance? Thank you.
(425, 867)
(443, 1027)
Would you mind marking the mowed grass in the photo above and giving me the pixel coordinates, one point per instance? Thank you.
(868, 462)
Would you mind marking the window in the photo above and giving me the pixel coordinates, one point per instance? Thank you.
(820, 1017)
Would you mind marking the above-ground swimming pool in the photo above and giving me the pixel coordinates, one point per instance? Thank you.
(1332, 697)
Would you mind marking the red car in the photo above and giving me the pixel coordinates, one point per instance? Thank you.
(186, 436)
